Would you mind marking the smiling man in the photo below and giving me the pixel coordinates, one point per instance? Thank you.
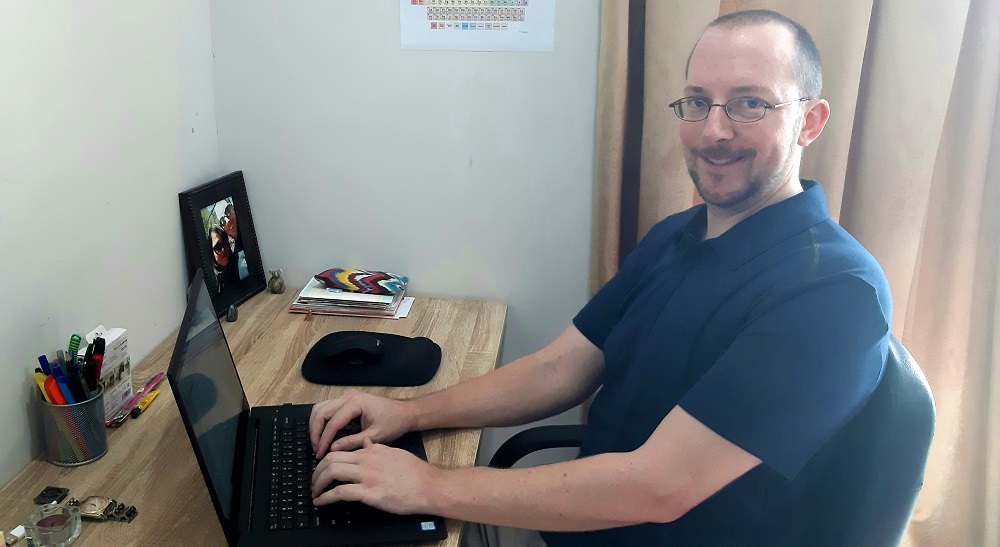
(744, 154)
(736, 341)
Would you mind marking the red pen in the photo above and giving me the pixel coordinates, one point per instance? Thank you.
(98, 360)
(98, 354)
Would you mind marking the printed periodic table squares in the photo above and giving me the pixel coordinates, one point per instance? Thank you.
(503, 25)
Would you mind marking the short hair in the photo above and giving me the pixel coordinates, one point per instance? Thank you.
(806, 68)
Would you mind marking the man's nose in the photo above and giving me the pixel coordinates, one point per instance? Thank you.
(718, 125)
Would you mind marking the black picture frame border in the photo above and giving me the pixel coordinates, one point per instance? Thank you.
(196, 248)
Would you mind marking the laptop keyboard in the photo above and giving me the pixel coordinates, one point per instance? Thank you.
(292, 464)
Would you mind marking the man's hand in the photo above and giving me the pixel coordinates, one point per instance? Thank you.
(377, 475)
(382, 420)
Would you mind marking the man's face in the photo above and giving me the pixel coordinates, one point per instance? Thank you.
(230, 225)
(220, 250)
(737, 165)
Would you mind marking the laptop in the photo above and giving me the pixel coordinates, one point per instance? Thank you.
(257, 462)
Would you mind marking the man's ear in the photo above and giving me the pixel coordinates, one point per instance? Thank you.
(816, 116)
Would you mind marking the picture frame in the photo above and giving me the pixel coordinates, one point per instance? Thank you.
(219, 238)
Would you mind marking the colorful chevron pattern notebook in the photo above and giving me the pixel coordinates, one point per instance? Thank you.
(362, 281)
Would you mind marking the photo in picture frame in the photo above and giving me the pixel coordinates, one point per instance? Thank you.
(219, 238)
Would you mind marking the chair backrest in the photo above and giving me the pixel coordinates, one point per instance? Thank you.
(868, 476)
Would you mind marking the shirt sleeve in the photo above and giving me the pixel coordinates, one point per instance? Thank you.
(600, 315)
(796, 373)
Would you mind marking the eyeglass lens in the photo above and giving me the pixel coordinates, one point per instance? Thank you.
(741, 109)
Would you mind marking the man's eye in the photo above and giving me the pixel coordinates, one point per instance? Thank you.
(752, 103)
(698, 102)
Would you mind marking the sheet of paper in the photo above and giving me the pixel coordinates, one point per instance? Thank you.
(404, 307)
(315, 289)
(477, 25)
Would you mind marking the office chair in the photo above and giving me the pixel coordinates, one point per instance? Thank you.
(868, 474)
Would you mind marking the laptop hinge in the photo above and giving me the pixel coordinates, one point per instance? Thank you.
(249, 472)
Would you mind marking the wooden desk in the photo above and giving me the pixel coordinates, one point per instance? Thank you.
(150, 463)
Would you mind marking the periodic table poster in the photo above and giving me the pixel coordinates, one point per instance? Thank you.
(477, 25)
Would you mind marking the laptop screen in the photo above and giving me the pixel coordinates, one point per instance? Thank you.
(209, 395)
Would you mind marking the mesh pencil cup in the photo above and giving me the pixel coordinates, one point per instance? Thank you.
(75, 434)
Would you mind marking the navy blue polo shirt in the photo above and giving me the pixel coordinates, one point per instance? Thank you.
(773, 335)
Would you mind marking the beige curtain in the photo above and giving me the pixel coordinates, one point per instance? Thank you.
(910, 162)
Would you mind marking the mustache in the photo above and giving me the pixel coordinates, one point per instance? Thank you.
(723, 152)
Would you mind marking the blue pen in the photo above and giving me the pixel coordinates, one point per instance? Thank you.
(64, 388)
(44, 361)
(56, 370)
(61, 381)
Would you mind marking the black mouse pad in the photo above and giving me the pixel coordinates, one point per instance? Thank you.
(351, 358)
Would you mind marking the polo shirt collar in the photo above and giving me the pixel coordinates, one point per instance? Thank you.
(767, 227)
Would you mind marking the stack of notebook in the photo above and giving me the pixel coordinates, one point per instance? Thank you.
(342, 291)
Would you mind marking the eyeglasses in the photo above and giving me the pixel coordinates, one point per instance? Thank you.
(740, 109)
(218, 247)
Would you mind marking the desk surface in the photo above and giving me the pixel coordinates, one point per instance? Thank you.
(150, 463)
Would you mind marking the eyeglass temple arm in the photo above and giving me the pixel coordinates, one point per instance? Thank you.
(788, 102)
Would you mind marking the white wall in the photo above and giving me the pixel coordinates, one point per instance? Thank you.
(469, 172)
(106, 112)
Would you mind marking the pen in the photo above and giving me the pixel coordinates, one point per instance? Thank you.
(98, 360)
(75, 384)
(83, 382)
(86, 371)
(134, 400)
(44, 361)
(52, 388)
(55, 370)
(98, 353)
(88, 364)
(40, 380)
(64, 388)
(143, 403)
(74, 345)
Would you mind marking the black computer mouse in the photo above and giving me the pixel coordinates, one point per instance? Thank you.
(355, 350)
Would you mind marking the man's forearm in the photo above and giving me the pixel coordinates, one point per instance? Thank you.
(553, 379)
(604, 491)
(522, 391)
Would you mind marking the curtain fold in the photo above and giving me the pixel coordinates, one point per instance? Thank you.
(609, 134)
(949, 317)
(910, 165)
